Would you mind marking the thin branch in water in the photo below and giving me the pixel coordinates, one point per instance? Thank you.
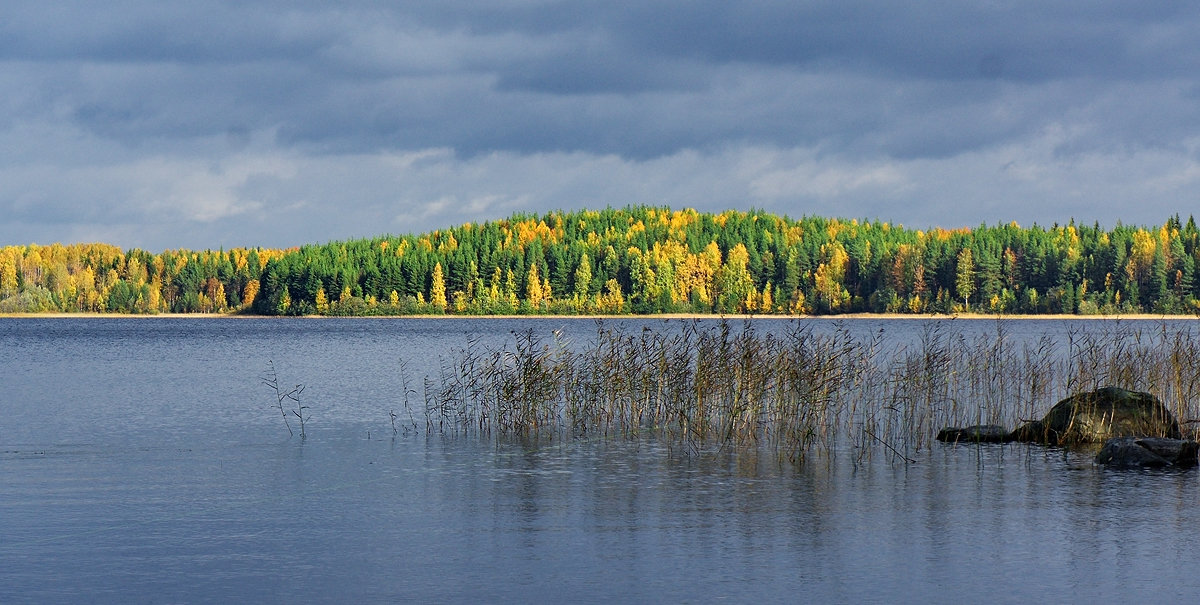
(270, 378)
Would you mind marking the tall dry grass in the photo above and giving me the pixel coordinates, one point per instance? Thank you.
(801, 391)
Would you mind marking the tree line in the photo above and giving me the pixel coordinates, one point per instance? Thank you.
(638, 259)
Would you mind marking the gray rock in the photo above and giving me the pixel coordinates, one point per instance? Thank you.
(980, 433)
(1152, 452)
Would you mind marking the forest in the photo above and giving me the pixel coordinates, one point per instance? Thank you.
(639, 260)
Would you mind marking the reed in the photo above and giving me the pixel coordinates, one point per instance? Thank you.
(798, 392)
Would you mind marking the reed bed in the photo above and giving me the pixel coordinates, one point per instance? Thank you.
(800, 391)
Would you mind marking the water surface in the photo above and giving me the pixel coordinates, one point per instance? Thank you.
(140, 462)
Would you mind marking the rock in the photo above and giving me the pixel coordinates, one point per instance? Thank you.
(980, 433)
(1096, 416)
(1154, 452)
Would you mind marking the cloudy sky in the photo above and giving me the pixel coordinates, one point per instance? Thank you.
(153, 124)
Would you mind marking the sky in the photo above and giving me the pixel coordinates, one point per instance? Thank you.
(162, 125)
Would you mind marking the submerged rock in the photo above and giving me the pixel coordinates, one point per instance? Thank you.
(980, 433)
(1153, 452)
(1096, 416)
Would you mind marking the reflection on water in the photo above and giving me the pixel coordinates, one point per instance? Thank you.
(436, 519)
(139, 462)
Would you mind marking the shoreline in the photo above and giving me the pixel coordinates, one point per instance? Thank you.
(850, 316)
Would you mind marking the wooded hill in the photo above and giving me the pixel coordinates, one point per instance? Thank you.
(636, 260)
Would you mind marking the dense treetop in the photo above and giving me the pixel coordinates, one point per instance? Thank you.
(635, 260)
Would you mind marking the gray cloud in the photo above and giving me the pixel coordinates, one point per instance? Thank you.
(277, 123)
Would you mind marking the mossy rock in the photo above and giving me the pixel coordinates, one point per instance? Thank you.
(1097, 416)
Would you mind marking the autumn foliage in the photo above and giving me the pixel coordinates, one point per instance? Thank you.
(635, 260)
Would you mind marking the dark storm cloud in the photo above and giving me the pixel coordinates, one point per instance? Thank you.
(1028, 41)
(223, 115)
(595, 76)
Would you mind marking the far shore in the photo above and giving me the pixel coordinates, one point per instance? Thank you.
(871, 316)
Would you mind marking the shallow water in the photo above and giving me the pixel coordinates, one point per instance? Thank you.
(140, 462)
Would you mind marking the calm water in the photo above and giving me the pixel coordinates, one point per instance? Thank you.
(140, 462)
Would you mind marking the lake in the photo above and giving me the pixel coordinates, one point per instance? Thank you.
(141, 461)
